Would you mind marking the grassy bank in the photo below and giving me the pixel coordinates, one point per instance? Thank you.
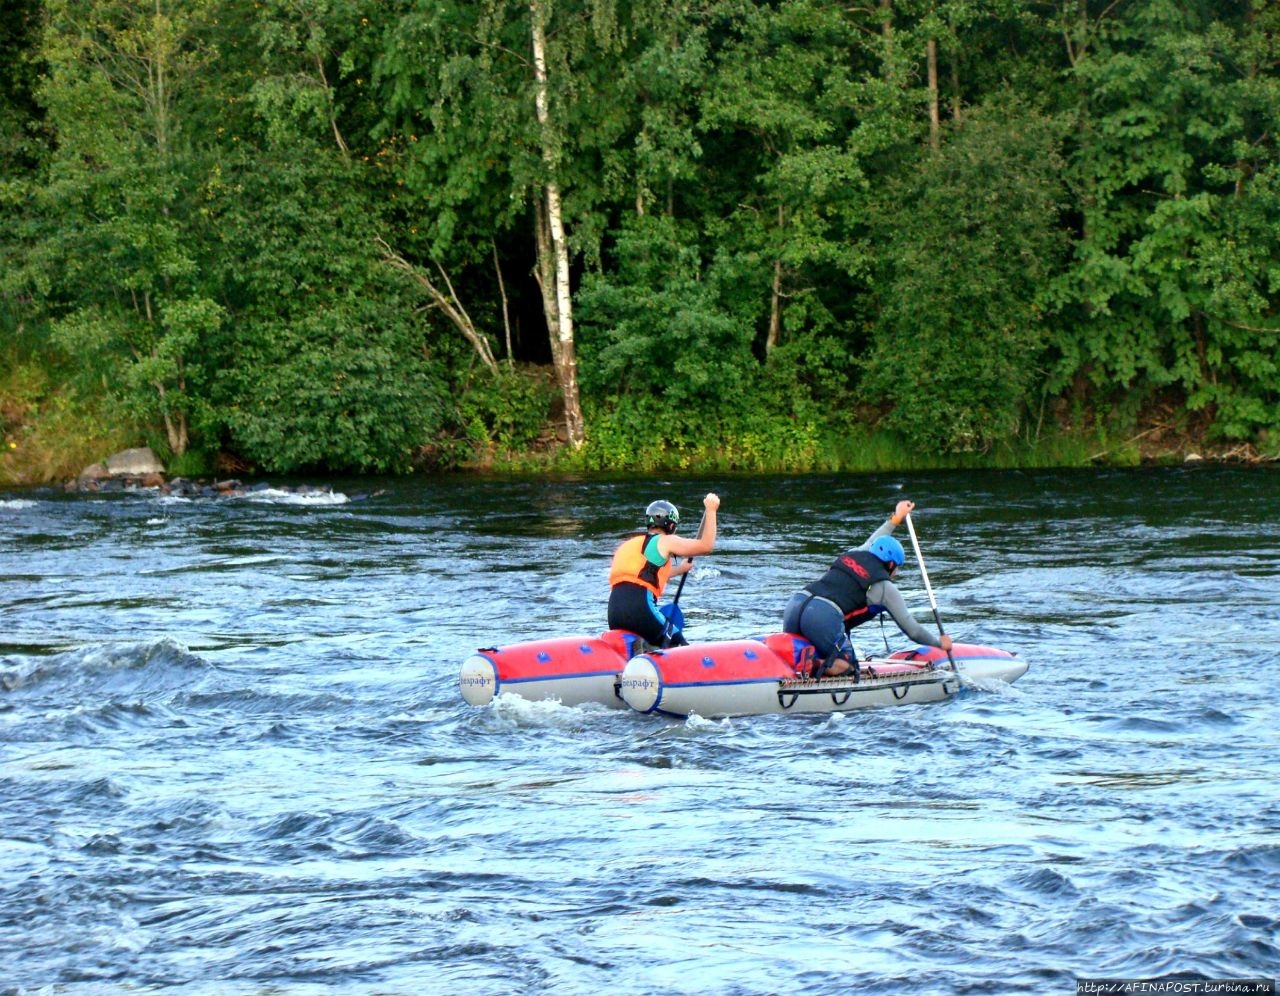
(872, 451)
(49, 436)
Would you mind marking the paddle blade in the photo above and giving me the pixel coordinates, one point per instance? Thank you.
(673, 614)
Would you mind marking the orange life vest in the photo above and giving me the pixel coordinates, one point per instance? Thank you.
(631, 565)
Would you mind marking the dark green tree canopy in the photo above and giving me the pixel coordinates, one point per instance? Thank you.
(344, 233)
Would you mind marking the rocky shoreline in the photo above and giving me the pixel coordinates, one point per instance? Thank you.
(141, 470)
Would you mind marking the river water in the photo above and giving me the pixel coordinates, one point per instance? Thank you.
(235, 758)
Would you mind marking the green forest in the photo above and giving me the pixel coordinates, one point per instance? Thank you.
(379, 236)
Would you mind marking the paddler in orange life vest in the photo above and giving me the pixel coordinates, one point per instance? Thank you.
(642, 566)
(856, 588)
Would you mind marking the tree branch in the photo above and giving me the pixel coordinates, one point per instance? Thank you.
(448, 303)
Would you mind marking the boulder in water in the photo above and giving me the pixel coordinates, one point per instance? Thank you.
(134, 463)
(92, 473)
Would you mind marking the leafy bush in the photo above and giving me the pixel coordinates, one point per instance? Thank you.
(655, 330)
(323, 362)
(507, 409)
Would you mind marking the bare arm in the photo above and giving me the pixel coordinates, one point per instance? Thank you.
(694, 546)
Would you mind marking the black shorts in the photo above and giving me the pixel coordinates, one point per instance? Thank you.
(633, 607)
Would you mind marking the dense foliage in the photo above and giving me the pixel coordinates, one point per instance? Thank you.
(325, 234)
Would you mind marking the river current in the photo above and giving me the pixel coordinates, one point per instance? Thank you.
(234, 757)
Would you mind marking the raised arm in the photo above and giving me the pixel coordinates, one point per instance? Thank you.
(691, 546)
(900, 513)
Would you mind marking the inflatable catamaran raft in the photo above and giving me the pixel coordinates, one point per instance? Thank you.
(766, 674)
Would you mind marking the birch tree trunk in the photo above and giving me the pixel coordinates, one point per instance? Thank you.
(553, 247)
(935, 118)
(775, 297)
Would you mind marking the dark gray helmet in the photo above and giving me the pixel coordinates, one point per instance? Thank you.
(662, 515)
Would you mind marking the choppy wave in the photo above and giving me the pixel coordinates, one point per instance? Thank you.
(276, 496)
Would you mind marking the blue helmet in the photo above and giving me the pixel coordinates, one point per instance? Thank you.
(889, 550)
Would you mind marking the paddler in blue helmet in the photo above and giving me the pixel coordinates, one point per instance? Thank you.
(644, 563)
(857, 587)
